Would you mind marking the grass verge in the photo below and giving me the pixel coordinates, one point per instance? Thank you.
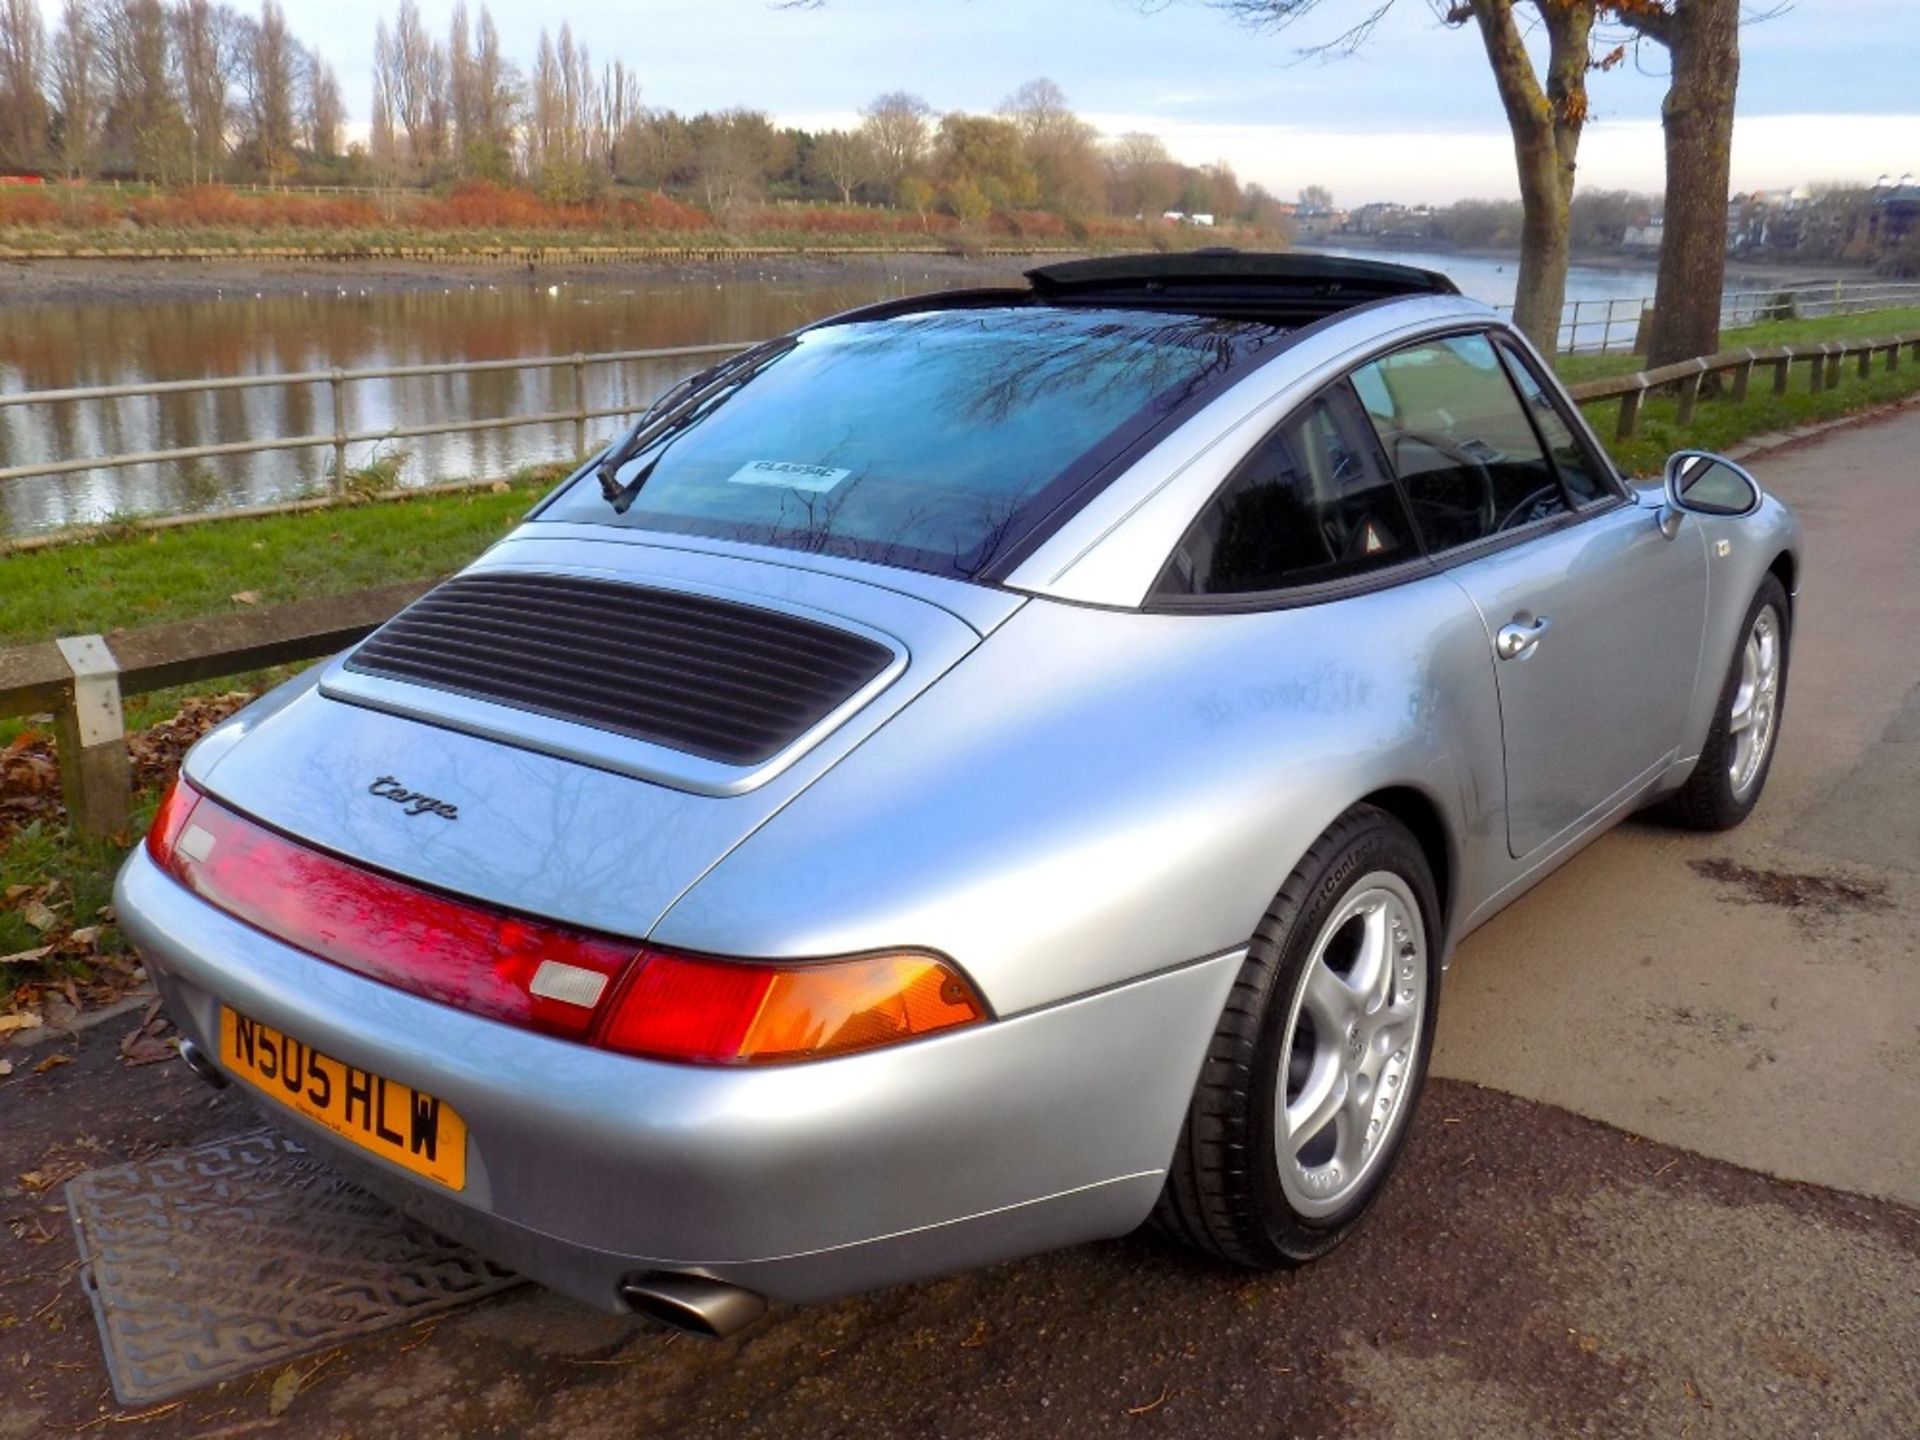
(1718, 422)
(147, 577)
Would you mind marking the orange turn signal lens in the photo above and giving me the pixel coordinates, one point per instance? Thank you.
(732, 1012)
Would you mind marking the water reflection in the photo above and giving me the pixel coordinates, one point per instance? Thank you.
(339, 325)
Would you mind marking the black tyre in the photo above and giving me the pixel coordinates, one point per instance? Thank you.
(1734, 763)
(1303, 1100)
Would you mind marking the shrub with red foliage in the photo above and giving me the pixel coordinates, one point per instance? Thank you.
(216, 207)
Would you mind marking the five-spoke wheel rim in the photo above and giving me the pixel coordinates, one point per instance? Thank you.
(1756, 703)
(1352, 1037)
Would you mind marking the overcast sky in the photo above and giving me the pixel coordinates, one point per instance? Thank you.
(1830, 89)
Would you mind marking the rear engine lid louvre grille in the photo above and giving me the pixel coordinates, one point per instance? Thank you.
(730, 682)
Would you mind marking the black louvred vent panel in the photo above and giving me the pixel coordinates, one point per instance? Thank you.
(731, 682)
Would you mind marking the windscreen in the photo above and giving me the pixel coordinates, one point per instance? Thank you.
(932, 440)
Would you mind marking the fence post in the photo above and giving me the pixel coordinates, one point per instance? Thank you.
(1573, 332)
(1629, 424)
(1742, 377)
(90, 739)
(1817, 371)
(1834, 356)
(337, 384)
(1782, 373)
(579, 404)
(1689, 397)
(1893, 357)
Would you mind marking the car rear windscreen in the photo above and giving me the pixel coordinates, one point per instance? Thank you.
(933, 440)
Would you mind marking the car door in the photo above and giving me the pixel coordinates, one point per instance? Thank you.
(1594, 616)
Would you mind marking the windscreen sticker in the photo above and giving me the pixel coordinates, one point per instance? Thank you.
(788, 475)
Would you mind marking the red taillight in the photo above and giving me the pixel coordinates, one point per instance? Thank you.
(170, 819)
(485, 961)
(550, 977)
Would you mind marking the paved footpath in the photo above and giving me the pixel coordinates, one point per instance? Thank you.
(1686, 1205)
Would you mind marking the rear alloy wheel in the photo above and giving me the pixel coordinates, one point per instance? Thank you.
(1733, 765)
(1304, 1099)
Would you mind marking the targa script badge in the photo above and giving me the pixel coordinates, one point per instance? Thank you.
(388, 788)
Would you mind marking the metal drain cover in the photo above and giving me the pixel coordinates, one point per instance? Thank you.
(207, 1263)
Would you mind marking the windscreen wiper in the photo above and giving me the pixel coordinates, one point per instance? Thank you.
(678, 408)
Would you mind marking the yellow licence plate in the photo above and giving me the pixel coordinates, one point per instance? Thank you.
(393, 1121)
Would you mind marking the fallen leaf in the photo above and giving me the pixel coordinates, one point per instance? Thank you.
(500, 487)
(22, 957)
(51, 1061)
(85, 935)
(245, 597)
(36, 914)
(6, 1068)
(286, 1385)
(20, 1020)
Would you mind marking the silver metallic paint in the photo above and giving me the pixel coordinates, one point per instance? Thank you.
(1070, 797)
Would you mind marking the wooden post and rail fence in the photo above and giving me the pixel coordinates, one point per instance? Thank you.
(81, 680)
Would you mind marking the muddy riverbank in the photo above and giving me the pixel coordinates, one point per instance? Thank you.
(110, 281)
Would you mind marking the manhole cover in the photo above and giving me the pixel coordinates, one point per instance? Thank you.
(208, 1263)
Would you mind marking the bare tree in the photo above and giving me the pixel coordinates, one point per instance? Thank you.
(619, 108)
(1143, 178)
(1060, 146)
(545, 109)
(77, 87)
(267, 72)
(1039, 107)
(463, 91)
(145, 127)
(23, 104)
(899, 127)
(1316, 197)
(323, 114)
(383, 141)
(417, 67)
(844, 159)
(205, 52)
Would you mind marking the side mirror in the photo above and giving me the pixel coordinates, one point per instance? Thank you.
(1709, 484)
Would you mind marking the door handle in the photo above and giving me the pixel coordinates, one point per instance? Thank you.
(1519, 637)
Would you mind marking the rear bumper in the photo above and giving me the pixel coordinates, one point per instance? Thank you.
(799, 1182)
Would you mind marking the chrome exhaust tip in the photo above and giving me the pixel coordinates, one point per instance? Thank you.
(198, 1063)
(693, 1303)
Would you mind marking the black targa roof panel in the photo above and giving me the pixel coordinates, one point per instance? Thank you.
(1232, 280)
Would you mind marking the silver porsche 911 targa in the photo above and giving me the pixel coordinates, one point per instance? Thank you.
(976, 774)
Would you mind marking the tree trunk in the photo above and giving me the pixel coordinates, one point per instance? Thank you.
(1546, 126)
(1697, 115)
(1540, 292)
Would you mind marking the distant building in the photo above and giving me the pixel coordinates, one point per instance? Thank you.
(1893, 213)
(1646, 235)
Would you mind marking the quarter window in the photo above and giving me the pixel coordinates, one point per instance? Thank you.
(1310, 504)
(1456, 435)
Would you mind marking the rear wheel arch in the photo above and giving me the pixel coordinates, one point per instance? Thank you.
(1416, 810)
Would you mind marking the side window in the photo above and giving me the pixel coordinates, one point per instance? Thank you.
(1454, 431)
(1309, 504)
(1579, 472)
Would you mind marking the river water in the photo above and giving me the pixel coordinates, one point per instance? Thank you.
(475, 315)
